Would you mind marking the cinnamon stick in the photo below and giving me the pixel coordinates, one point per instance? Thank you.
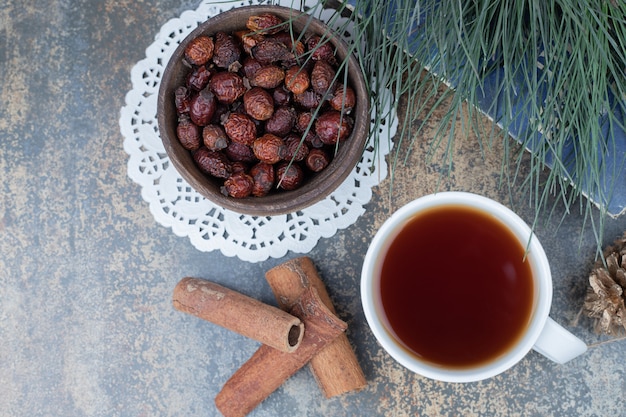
(335, 368)
(268, 368)
(239, 313)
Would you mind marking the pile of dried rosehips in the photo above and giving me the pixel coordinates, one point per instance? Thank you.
(261, 108)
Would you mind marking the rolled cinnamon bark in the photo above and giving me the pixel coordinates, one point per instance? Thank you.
(239, 313)
(335, 368)
(268, 368)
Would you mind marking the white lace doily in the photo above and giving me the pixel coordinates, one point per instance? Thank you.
(175, 204)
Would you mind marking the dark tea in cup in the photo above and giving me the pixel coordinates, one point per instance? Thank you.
(455, 286)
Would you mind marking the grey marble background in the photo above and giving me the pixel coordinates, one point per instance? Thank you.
(86, 274)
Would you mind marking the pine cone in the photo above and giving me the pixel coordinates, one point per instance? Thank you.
(606, 297)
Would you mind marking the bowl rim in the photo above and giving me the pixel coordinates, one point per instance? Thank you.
(315, 188)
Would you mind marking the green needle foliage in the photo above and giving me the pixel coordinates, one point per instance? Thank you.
(559, 64)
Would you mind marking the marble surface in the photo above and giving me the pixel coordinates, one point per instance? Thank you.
(86, 275)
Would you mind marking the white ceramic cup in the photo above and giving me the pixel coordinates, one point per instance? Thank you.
(543, 334)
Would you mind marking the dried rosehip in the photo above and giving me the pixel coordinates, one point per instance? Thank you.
(269, 76)
(213, 163)
(281, 122)
(271, 50)
(297, 79)
(322, 78)
(182, 97)
(263, 175)
(321, 49)
(297, 48)
(289, 175)
(198, 78)
(343, 99)
(258, 103)
(250, 66)
(227, 87)
(214, 137)
(188, 133)
(227, 51)
(269, 148)
(293, 44)
(303, 121)
(281, 96)
(240, 128)
(266, 23)
(238, 152)
(199, 50)
(248, 40)
(333, 127)
(295, 148)
(317, 160)
(308, 100)
(202, 107)
(238, 185)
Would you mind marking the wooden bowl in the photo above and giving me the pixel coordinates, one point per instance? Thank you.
(316, 187)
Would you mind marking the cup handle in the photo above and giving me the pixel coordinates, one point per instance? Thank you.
(557, 344)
